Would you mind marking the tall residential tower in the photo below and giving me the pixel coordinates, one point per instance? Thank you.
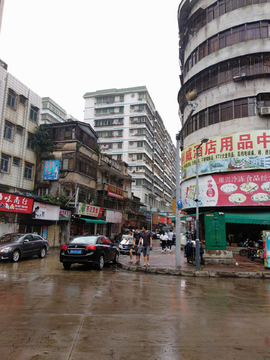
(131, 130)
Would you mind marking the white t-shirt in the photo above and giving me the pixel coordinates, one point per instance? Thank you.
(164, 237)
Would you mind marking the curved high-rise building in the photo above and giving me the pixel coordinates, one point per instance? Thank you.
(224, 53)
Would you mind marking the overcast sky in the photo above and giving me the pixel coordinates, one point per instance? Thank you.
(65, 48)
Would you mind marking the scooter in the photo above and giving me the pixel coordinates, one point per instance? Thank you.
(250, 243)
(255, 254)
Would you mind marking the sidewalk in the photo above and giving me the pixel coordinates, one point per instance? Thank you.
(164, 263)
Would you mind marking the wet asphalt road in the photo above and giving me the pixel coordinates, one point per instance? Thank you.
(50, 313)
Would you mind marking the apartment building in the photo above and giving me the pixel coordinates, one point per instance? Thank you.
(20, 113)
(130, 129)
(225, 98)
(19, 116)
(52, 112)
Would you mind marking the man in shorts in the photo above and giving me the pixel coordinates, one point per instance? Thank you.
(146, 237)
(137, 236)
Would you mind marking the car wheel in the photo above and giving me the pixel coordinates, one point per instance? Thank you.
(66, 266)
(42, 253)
(116, 258)
(16, 256)
(101, 262)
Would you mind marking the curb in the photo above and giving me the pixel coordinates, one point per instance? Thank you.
(196, 273)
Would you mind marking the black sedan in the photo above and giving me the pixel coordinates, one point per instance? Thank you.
(90, 249)
(15, 246)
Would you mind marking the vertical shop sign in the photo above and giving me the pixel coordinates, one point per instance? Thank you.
(51, 170)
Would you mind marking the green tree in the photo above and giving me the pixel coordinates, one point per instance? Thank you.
(42, 141)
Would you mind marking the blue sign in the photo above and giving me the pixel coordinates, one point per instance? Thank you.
(51, 170)
(179, 204)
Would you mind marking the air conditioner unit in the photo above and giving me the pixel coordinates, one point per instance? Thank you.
(131, 143)
(131, 131)
(265, 110)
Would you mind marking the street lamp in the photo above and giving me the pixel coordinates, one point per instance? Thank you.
(203, 140)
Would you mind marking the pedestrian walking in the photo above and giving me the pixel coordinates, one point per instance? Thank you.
(163, 238)
(170, 240)
(138, 248)
(146, 238)
(131, 244)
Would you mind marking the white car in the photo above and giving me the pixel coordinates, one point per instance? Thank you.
(123, 247)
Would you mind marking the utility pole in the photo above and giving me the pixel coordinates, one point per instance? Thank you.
(177, 213)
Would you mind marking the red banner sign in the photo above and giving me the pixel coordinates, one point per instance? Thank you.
(245, 188)
(15, 203)
(118, 193)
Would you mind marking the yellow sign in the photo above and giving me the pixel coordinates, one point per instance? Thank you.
(240, 151)
(174, 206)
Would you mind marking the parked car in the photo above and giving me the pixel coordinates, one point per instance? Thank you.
(89, 249)
(15, 246)
(156, 235)
(123, 247)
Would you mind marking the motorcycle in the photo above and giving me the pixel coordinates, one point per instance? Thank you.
(254, 253)
(251, 244)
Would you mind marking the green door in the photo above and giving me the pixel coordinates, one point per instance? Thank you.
(215, 231)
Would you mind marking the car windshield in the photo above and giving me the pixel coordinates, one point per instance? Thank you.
(84, 240)
(10, 238)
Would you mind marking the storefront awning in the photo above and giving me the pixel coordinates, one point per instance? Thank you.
(249, 218)
(94, 221)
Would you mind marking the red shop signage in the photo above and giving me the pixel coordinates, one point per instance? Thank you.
(15, 203)
(243, 188)
(118, 193)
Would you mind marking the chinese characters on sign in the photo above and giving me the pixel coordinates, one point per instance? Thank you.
(51, 170)
(113, 216)
(90, 210)
(64, 214)
(118, 193)
(245, 188)
(15, 203)
(240, 151)
(155, 218)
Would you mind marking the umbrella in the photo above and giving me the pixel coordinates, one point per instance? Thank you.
(166, 228)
